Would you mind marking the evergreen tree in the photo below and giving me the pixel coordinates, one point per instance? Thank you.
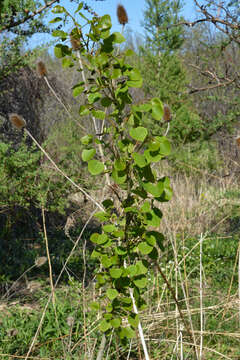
(166, 77)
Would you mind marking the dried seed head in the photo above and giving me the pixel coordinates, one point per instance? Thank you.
(70, 320)
(76, 45)
(75, 39)
(17, 121)
(40, 261)
(41, 69)
(167, 116)
(238, 140)
(122, 15)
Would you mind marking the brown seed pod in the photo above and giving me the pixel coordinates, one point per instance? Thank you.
(122, 15)
(40, 261)
(41, 69)
(76, 44)
(167, 116)
(17, 121)
(75, 36)
(238, 141)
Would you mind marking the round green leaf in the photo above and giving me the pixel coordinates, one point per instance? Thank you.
(95, 167)
(116, 322)
(112, 293)
(119, 164)
(109, 228)
(133, 320)
(139, 160)
(106, 261)
(104, 325)
(157, 109)
(98, 114)
(145, 248)
(141, 282)
(165, 146)
(118, 37)
(87, 139)
(127, 332)
(88, 154)
(116, 273)
(77, 89)
(139, 133)
(155, 189)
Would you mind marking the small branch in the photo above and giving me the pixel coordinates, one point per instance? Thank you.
(13, 23)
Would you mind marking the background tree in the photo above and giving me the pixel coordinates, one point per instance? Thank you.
(166, 76)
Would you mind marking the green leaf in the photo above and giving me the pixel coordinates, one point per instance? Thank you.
(88, 154)
(60, 33)
(118, 38)
(95, 167)
(104, 325)
(58, 9)
(129, 52)
(142, 267)
(115, 273)
(108, 203)
(106, 261)
(155, 189)
(77, 89)
(102, 216)
(135, 78)
(141, 281)
(119, 176)
(132, 270)
(152, 156)
(116, 322)
(112, 293)
(153, 218)
(146, 207)
(127, 332)
(55, 20)
(101, 59)
(157, 109)
(67, 62)
(105, 22)
(95, 306)
(80, 6)
(109, 228)
(86, 140)
(120, 250)
(133, 320)
(144, 248)
(116, 73)
(98, 114)
(102, 238)
(61, 51)
(165, 146)
(139, 133)
(159, 238)
(105, 102)
(92, 98)
(83, 110)
(139, 160)
(119, 164)
(99, 238)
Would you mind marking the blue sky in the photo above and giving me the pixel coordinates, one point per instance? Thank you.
(134, 9)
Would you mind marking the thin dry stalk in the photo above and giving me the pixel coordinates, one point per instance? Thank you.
(42, 72)
(201, 298)
(62, 173)
(51, 278)
(239, 285)
(50, 296)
